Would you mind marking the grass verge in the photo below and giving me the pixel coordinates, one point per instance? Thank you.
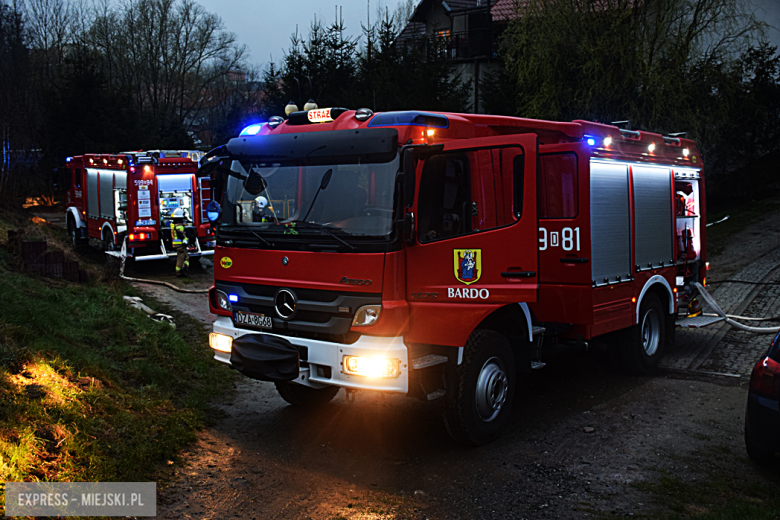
(91, 389)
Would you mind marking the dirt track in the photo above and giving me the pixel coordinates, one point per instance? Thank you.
(390, 457)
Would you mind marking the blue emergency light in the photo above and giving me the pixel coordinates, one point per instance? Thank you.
(251, 130)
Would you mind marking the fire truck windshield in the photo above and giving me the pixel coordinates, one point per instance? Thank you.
(347, 199)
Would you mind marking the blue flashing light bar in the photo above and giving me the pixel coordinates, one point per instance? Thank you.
(410, 118)
(233, 298)
(251, 129)
(591, 141)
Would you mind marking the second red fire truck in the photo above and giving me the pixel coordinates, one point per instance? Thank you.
(125, 200)
(437, 255)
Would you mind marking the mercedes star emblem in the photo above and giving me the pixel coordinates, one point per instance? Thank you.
(284, 303)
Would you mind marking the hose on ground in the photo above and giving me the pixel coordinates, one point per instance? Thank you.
(123, 254)
(709, 300)
(743, 318)
(742, 282)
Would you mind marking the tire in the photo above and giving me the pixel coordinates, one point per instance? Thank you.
(305, 396)
(483, 390)
(645, 341)
(108, 242)
(760, 454)
(73, 232)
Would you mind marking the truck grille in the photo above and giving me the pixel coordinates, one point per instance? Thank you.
(319, 314)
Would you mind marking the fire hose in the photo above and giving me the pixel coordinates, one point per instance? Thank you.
(123, 256)
(709, 300)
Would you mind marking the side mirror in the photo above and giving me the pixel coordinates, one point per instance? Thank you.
(409, 176)
(255, 184)
(213, 211)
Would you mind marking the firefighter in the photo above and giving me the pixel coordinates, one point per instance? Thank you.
(179, 239)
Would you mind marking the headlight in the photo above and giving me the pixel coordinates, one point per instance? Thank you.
(371, 367)
(223, 302)
(220, 342)
(367, 315)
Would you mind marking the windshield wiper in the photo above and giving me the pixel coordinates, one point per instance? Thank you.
(240, 228)
(324, 229)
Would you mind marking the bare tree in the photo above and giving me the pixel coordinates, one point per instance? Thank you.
(167, 52)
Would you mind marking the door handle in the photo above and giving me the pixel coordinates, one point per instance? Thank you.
(518, 274)
(574, 260)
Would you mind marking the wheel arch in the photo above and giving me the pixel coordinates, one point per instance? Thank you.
(73, 213)
(660, 287)
(110, 230)
(513, 321)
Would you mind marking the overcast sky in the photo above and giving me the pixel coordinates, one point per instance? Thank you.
(265, 26)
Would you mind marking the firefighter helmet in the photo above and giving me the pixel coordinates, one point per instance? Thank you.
(177, 213)
(262, 202)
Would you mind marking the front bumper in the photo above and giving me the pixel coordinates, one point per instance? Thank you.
(325, 358)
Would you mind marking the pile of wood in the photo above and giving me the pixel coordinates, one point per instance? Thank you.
(37, 258)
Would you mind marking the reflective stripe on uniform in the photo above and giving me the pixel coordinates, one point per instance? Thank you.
(174, 236)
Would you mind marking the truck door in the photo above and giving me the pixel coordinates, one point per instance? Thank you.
(476, 228)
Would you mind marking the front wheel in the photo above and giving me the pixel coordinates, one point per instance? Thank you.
(305, 396)
(483, 390)
(646, 340)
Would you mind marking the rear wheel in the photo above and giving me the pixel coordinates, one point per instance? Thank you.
(645, 341)
(108, 241)
(483, 390)
(305, 396)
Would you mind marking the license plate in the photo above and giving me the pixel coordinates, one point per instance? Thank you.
(254, 320)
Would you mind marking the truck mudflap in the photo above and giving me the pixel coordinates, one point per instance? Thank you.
(264, 357)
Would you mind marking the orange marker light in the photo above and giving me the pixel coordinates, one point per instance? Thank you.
(633, 300)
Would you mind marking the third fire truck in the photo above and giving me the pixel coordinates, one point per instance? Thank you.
(438, 255)
(125, 200)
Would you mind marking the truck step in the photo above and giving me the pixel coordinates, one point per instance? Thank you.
(428, 360)
(536, 365)
(698, 322)
(538, 330)
(438, 394)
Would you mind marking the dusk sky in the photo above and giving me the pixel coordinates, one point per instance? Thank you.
(265, 26)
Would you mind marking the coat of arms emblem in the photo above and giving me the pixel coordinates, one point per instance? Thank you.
(468, 265)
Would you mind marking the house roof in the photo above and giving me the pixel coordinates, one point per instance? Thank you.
(412, 31)
(505, 10)
(501, 10)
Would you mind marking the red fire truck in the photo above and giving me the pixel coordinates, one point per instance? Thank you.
(438, 255)
(125, 199)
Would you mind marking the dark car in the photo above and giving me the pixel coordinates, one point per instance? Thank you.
(762, 418)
